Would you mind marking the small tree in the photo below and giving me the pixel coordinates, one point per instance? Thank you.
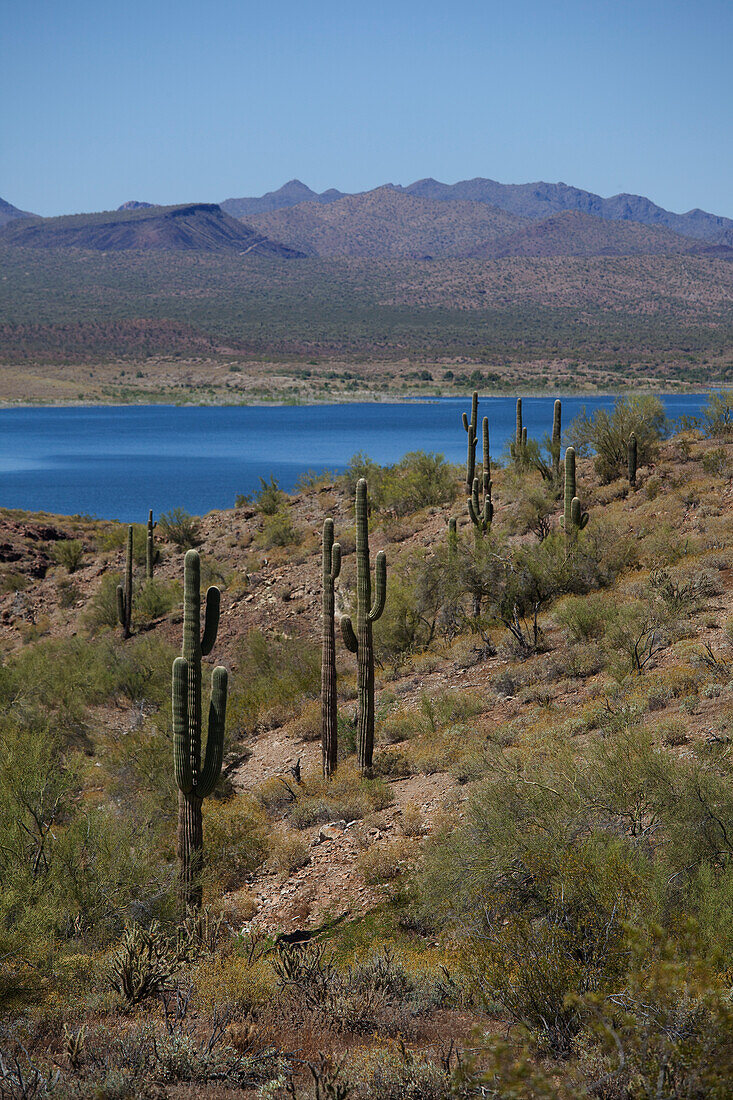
(606, 434)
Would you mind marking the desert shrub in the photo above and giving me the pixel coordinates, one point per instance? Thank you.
(418, 480)
(557, 854)
(397, 1073)
(583, 617)
(236, 833)
(69, 593)
(288, 851)
(102, 610)
(154, 599)
(606, 434)
(715, 461)
(718, 414)
(346, 796)
(384, 862)
(178, 527)
(361, 465)
(278, 529)
(69, 553)
(308, 723)
(279, 672)
(271, 499)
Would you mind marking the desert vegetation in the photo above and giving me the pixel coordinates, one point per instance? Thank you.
(461, 824)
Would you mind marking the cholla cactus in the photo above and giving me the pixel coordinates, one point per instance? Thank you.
(482, 513)
(471, 428)
(195, 782)
(124, 595)
(329, 706)
(361, 643)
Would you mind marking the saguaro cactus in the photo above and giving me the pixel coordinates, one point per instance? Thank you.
(471, 428)
(195, 781)
(150, 548)
(329, 708)
(124, 595)
(631, 453)
(452, 536)
(482, 514)
(574, 518)
(556, 437)
(367, 613)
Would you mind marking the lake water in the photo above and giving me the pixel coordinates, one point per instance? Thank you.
(117, 463)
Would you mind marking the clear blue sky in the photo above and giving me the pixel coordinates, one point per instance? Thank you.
(175, 100)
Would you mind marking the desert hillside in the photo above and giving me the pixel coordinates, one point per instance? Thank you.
(544, 831)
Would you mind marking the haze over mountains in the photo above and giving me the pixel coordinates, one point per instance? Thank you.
(478, 218)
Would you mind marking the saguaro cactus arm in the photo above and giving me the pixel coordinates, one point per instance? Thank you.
(215, 739)
(211, 620)
(380, 582)
(348, 635)
(181, 740)
(578, 516)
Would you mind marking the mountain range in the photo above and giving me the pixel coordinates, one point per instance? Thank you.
(477, 218)
(529, 200)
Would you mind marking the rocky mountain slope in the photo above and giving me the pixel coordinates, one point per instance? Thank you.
(10, 213)
(201, 226)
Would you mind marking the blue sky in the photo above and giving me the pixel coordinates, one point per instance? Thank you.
(180, 101)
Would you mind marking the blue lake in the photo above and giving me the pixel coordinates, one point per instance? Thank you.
(119, 462)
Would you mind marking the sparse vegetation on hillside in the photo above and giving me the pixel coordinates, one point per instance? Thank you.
(531, 891)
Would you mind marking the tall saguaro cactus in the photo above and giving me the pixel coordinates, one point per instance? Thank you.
(194, 780)
(150, 548)
(329, 706)
(482, 513)
(631, 454)
(556, 437)
(361, 643)
(471, 428)
(574, 518)
(124, 595)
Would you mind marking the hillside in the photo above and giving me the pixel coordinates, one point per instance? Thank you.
(197, 226)
(10, 213)
(385, 224)
(551, 781)
(574, 234)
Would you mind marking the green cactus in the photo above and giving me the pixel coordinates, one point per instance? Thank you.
(150, 548)
(574, 518)
(124, 595)
(632, 457)
(556, 438)
(361, 642)
(452, 536)
(471, 428)
(329, 706)
(482, 514)
(195, 782)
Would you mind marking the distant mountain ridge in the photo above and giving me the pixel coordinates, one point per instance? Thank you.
(290, 194)
(10, 213)
(200, 226)
(529, 200)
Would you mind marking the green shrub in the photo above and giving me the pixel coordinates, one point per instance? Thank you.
(278, 529)
(179, 527)
(271, 498)
(69, 553)
(606, 434)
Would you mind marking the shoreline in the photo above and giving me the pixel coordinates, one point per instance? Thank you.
(376, 399)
